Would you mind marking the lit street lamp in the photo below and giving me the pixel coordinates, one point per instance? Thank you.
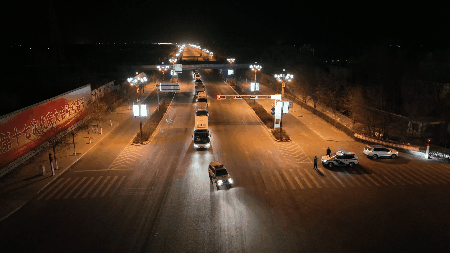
(283, 78)
(173, 61)
(163, 69)
(255, 67)
(231, 60)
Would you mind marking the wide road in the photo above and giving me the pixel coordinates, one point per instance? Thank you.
(158, 198)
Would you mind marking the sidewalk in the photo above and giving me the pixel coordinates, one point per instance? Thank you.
(23, 183)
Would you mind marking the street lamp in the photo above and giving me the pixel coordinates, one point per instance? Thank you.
(283, 78)
(163, 69)
(255, 67)
(231, 60)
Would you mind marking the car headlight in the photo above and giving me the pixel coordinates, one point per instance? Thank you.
(230, 180)
(219, 182)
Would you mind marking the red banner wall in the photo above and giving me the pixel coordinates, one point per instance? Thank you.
(19, 130)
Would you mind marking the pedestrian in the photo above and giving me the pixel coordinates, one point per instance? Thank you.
(50, 158)
(315, 162)
(328, 151)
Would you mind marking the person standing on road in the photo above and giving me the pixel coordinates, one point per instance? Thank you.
(50, 158)
(328, 151)
(315, 162)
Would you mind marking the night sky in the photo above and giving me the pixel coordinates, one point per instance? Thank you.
(227, 21)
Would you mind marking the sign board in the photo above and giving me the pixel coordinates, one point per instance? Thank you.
(254, 86)
(278, 108)
(136, 110)
(168, 87)
(286, 107)
(144, 111)
(178, 67)
(173, 73)
(276, 97)
(231, 72)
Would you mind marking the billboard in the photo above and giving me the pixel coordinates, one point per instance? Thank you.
(25, 129)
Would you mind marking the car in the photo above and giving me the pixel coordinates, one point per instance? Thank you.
(340, 158)
(379, 151)
(197, 77)
(219, 176)
(201, 95)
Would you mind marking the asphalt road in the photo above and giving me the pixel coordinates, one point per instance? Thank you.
(158, 198)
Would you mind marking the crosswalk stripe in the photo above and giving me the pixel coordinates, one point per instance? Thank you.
(373, 181)
(296, 179)
(288, 179)
(100, 187)
(76, 186)
(110, 184)
(344, 177)
(393, 171)
(271, 180)
(57, 189)
(429, 175)
(71, 183)
(117, 186)
(92, 187)
(353, 177)
(260, 183)
(280, 179)
(360, 176)
(379, 179)
(437, 172)
(328, 178)
(392, 182)
(337, 179)
(82, 188)
(50, 188)
(406, 175)
(392, 176)
(413, 175)
(304, 178)
(312, 178)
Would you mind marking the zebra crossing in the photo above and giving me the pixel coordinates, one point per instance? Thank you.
(83, 188)
(345, 177)
(293, 152)
(127, 158)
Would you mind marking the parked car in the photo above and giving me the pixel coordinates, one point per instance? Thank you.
(218, 175)
(379, 151)
(340, 158)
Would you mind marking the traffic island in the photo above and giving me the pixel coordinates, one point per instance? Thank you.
(268, 120)
(151, 124)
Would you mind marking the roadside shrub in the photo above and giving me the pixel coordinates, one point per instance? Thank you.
(284, 136)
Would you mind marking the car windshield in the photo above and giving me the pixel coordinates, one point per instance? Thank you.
(222, 172)
(202, 100)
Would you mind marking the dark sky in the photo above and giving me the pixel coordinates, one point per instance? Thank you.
(226, 21)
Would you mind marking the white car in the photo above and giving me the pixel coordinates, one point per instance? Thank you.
(341, 158)
(380, 151)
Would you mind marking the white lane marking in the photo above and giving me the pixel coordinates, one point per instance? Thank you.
(48, 190)
(429, 176)
(71, 183)
(312, 178)
(296, 179)
(373, 181)
(304, 178)
(398, 172)
(289, 180)
(100, 187)
(379, 179)
(280, 179)
(117, 186)
(345, 179)
(76, 186)
(387, 171)
(92, 187)
(413, 176)
(353, 177)
(82, 188)
(110, 184)
(57, 189)
(337, 179)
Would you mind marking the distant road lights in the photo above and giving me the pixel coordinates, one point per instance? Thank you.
(283, 78)
(255, 67)
(163, 69)
(231, 60)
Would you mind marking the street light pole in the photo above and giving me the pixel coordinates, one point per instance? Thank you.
(283, 78)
